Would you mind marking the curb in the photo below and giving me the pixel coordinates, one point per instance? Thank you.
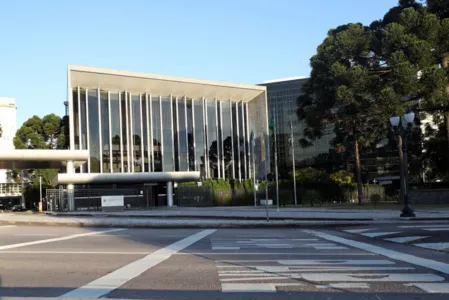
(190, 226)
(106, 215)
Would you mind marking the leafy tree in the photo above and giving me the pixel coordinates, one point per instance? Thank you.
(342, 177)
(37, 133)
(339, 94)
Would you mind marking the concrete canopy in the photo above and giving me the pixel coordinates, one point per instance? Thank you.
(146, 177)
(41, 159)
(133, 82)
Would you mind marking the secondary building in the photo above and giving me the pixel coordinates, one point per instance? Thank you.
(282, 106)
(142, 129)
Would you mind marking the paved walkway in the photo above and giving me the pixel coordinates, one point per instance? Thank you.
(228, 217)
(259, 213)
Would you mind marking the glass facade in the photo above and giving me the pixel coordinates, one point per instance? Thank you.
(282, 106)
(140, 132)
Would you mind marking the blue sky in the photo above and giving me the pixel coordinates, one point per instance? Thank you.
(242, 41)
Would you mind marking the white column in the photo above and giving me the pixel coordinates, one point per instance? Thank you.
(70, 188)
(169, 194)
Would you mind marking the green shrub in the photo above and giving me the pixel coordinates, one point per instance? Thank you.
(312, 197)
(375, 199)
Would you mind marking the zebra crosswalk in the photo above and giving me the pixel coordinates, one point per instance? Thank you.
(424, 236)
(320, 269)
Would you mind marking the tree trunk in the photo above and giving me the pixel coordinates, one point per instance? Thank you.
(358, 172)
(401, 169)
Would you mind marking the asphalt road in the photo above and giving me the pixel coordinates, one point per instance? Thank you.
(64, 262)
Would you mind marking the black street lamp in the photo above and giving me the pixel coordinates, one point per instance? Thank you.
(402, 131)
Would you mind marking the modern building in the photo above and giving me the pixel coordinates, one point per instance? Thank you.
(150, 129)
(10, 192)
(282, 106)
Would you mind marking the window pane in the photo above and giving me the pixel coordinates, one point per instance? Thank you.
(83, 125)
(105, 131)
(191, 148)
(212, 138)
(76, 122)
(183, 159)
(145, 121)
(137, 134)
(242, 141)
(115, 130)
(157, 141)
(94, 138)
(167, 132)
(226, 138)
(124, 131)
(235, 138)
(199, 136)
(175, 133)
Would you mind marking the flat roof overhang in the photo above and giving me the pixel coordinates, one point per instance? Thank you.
(134, 82)
(95, 178)
(42, 159)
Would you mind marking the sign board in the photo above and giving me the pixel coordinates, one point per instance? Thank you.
(385, 182)
(112, 201)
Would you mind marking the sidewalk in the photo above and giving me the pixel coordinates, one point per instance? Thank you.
(259, 213)
(225, 217)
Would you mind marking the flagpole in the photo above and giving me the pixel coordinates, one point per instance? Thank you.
(293, 161)
(276, 161)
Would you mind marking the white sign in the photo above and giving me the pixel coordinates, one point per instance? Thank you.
(112, 201)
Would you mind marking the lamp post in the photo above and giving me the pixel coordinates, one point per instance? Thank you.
(402, 131)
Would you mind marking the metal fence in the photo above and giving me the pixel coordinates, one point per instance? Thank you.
(90, 199)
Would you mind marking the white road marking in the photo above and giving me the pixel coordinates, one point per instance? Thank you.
(376, 234)
(330, 248)
(76, 252)
(377, 277)
(345, 285)
(64, 238)
(433, 288)
(259, 278)
(7, 226)
(36, 234)
(419, 261)
(309, 269)
(276, 253)
(247, 288)
(406, 239)
(115, 279)
(433, 246)
(423, 226)
(309, 262)
(359, 230)
(436, 229)
(225, 248)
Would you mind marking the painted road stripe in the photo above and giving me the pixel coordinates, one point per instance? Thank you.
(254, 287)
(330, 248)
(310, 269)
(117, 278)
(359, 230)
(7, 226)
(423, 226)
(433, 288)
(436, 229)
(64, 238)
(433, 246)
(419, 261)
(260, 278)
(225, 248)
(406, 239)
(377, 277)
(309, 262)
(277, 253)
(376, 234)
(76, 252)
(345, 285)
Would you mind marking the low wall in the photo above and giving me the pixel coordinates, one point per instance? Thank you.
(429, 197)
